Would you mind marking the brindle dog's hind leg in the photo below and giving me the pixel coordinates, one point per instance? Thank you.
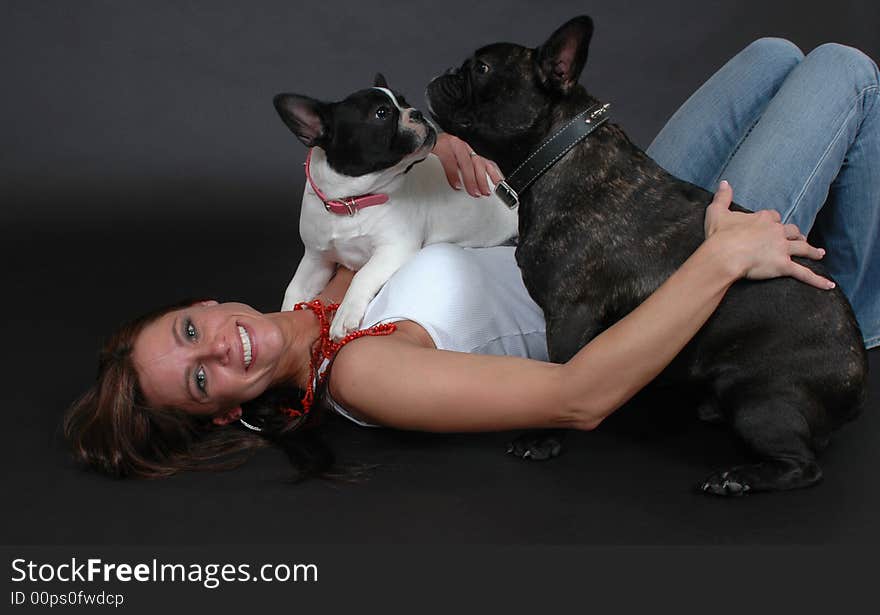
(785, 428)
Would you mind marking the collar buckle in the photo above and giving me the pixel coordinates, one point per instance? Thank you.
(599, 114)
(507, 194)
(350, 205)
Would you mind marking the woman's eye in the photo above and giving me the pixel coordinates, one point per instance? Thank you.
(201, 378)
(189, 329)
(382, 113)
(482, 68)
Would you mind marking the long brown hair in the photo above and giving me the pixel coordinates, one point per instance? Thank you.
(112, 429)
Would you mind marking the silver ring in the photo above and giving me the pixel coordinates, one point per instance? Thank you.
(472, 154)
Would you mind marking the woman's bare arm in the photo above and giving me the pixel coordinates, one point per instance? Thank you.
(398, 383)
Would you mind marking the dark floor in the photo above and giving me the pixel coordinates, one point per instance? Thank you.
(142, 163)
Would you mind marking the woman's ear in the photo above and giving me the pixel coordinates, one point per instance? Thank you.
(227, 417)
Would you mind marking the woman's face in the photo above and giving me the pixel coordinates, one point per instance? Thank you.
(208, 358)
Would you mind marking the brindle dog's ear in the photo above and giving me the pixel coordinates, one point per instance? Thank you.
(306, 117)
(379, 81)
(561, 59)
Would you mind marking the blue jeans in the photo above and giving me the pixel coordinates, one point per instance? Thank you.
(800, 135)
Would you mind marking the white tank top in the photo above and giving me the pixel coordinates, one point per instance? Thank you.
(467, 299)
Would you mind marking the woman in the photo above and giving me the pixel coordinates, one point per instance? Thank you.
(185, 387)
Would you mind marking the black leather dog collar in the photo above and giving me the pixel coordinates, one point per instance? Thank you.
(550, 152)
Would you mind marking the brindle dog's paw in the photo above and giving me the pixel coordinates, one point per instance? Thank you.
(733, 482)
(769, 475)
(535, 447)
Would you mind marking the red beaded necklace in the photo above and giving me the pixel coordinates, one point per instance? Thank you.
(326, 349)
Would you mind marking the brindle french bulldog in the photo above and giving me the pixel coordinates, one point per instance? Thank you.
(781, 362)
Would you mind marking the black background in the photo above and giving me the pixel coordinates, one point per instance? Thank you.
(142, 161)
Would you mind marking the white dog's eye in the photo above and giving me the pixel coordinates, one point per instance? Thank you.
(382, 113)
(482, 68)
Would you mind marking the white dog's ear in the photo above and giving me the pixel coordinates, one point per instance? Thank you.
(306, 117)
(379, 81)
(561, 59)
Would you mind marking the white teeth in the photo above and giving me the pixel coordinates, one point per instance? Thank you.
(245, 345)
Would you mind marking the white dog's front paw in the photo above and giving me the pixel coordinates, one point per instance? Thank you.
(293, 295)
(346, 320)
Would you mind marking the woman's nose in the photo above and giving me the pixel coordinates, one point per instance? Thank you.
(218, 350)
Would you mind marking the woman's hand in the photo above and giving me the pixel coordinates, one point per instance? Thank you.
(458, 158)
(758, 244)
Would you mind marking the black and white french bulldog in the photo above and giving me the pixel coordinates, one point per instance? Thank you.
(367, 204)
(782, 362)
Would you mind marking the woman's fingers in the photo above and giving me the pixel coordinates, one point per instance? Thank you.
(718, 211)
(802, 248)
(462, 151)
(463, 166)
(494, 172)
(723, 196)
(793, 232)
(450, 167)
(765, 244)
(443, 151)
(799, 272)
(481, 170)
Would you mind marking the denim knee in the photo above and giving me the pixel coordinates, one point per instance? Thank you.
(777, 50)
(834, 57)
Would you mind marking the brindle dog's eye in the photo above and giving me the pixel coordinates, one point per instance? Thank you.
(382, 113)
(482, 68)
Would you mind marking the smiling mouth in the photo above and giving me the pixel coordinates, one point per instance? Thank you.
(247, 353)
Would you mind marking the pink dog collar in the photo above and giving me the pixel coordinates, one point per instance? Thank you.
(349, 205)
